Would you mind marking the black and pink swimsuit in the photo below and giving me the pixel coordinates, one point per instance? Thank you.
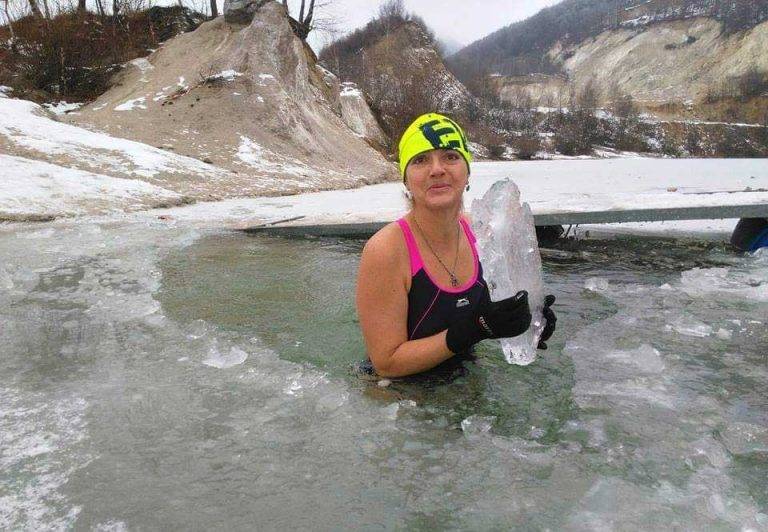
(431, 307)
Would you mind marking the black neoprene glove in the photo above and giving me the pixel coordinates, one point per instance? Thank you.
(549, 316)
(501, 319)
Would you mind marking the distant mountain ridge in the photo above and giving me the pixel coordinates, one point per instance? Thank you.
(521, 48)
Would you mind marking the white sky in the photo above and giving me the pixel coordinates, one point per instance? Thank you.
(464, 21)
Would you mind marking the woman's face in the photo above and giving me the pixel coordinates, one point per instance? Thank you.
(437, 178)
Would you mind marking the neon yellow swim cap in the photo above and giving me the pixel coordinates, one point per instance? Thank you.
(432, 132)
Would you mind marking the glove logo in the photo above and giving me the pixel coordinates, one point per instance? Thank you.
(463, 302)
(485, 326)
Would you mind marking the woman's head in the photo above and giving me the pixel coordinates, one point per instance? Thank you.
(434, 160)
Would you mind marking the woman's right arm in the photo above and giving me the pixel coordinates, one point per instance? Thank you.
(382, 308)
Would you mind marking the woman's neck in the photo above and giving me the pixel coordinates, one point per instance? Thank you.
(438, 226)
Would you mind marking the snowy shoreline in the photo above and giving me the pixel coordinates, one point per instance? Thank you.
(55, 171)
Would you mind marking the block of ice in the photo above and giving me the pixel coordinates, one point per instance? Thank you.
(477, 424)
(689, 326)
(217, 359)
(509, 251)
(596, 284)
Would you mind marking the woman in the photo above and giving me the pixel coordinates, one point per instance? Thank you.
(421, 296)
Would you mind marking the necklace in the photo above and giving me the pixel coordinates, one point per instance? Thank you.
(454, 280)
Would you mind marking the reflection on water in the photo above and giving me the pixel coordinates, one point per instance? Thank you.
(158, 378)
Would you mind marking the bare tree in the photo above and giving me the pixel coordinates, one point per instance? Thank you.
(392, 8)
(214, 9)
(307, 21)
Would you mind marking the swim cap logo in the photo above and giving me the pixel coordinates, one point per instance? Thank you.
(435, 136)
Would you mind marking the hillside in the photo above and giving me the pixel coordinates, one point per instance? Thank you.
(396, 62)
(246, 98)
(522, 48)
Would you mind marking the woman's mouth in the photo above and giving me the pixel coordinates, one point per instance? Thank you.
(440, 187)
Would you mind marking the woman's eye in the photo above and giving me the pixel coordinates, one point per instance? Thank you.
(419, 159)
(452, 156)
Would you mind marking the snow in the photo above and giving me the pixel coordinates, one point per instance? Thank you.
(62, 107)
(130, 105)
(5, 90)
(143, 65)
(260, 158)
(41, 189)
(26, 125)
(224, 75)
(350, 90)
(249, 152)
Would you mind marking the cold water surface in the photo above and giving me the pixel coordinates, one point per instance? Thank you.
(156, 376)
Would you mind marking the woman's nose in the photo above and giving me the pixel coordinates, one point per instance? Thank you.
(436, 166)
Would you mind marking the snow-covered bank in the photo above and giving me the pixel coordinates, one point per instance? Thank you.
(35, 190)
(549, 186)
(54, 169)
(28, 131)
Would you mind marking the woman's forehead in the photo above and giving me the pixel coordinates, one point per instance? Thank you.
(438, 150)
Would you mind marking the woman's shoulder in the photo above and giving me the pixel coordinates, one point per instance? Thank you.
(387, 243)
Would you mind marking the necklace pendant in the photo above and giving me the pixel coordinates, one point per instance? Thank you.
(454, 281)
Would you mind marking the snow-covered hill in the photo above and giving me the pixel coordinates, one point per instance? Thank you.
(246, 98)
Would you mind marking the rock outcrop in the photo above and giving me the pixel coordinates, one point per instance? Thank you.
(241, 11)
(358, 116)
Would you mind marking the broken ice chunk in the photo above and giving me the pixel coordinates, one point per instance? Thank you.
(509, 252)
(477, 424)
(596, 284)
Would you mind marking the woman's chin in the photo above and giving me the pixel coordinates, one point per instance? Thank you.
(442, 198)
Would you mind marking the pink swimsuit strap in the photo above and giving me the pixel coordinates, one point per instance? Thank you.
(417, 262)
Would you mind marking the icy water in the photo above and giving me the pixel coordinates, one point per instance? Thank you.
(158, 377)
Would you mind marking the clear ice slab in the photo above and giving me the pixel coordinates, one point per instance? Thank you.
(509, 251)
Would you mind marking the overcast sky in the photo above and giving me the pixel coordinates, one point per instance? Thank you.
(464, 21)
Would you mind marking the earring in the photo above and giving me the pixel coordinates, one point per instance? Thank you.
(407, 194)
(467, 189)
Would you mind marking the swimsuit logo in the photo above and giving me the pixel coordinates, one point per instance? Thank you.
(463, 302)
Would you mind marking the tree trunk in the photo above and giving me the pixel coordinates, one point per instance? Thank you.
(308, 21)
(214, 9)
(10, 27)
(81, 6)
(115, 8)
(35, 9)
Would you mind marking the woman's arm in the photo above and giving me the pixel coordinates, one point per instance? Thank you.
(382, 307)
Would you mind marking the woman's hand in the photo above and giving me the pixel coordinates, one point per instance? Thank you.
(501, 319)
